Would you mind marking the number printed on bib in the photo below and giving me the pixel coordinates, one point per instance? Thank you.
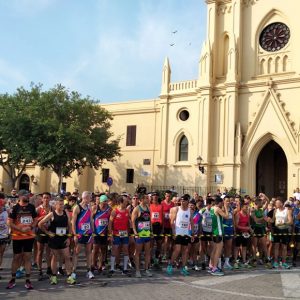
(103, 222)
(123, 233)
(26, 220)
(85, 226)
(155, 215)
(184, 225)
(61, 230)
(144, 226)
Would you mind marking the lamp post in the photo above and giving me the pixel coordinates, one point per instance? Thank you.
(201, 168)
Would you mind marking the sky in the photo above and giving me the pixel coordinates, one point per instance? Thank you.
(110, 50)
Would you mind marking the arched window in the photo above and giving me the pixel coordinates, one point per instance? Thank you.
(183, 149)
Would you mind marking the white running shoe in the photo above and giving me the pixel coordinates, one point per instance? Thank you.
(90, 275)
(148, 273)
(138, 274)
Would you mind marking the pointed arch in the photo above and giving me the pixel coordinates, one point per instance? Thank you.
(183, 149)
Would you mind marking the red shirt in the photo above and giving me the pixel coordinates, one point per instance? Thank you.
(120, 223)
(166, 213)
(156, 213)
(243, 221)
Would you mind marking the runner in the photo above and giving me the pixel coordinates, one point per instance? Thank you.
(42, 239)
(118, 230)
(57, 226)
(228, 233)
(156, 210)
(22, 221)
(142, 231)
(206, 233)
(4, 232)
(182, 224)
(101, 214)
(83, 226)
(194, 246)
(282, 219)
(243, 232)
(167, 204)
(217, 215)
(296, 218)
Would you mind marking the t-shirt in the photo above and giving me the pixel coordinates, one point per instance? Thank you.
(23, 216)
(297, 196)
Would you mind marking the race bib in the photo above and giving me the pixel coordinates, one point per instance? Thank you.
(26, 220)
(103, 222)
(246, 235)
(61, 230)
(123, 233)
(85, 226)
(184, 225)
(144, 225)
(167, 216)
(155, 215)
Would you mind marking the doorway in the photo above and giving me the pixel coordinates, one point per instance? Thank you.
(24, 182)
(271, 171)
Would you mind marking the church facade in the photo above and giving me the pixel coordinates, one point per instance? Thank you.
(236, 125)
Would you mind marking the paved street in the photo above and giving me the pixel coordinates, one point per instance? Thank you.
(242, 284)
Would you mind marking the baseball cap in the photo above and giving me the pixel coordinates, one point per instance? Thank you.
(103, 198)
(23, 193)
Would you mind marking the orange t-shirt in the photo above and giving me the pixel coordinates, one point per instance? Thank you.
(23, 216)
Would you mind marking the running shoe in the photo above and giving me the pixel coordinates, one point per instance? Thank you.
(28, 285)
(110, 273)
(285, 266)
(184, 271)
(236, 266)
(217, 272)
(126, 272)
(90, 275)
(227, 266)
(209, 269)
(169, 269)
(61, 271)
(53, 280)
(20, 273)
(11, 284)
(71, 280)
(268, 265)
(196, 268)
(73, 275)
(275, 265)
(148, 273)
(138, 274)
(34, 266)
(246, 265)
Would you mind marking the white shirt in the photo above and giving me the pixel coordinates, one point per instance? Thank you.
(3, 225)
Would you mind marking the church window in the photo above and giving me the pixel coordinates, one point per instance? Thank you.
(184, 115)
(183, 148)
(274, 37)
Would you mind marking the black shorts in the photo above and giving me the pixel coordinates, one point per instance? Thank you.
(297, 235)
(281, 236)
(58, 242)
(4, 241)
(182, 240)
(196, 240)
(217, 239)
(100, 240)
(41, 237)
(240, 240)
(167, 231)
(20, 246)
(206, 236)
(259, 232)
(157, 231)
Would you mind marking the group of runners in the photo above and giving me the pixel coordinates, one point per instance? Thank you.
(216, 233)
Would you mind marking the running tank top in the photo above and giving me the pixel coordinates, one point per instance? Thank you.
(206, 220)
(243, 221)
(101, 219)
(281, 218)
(217, 223)
(197, 222)
(3, 226)
(166, 213)
(142, 223)
(83, 222)
(120, 223)
(59, 224)
(182, 223)
(228, 223)
(156, 213)
(42, 212)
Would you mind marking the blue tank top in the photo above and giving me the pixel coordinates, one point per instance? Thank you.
(228, 223)
(295, 213)
(83, 222)
(101, 219)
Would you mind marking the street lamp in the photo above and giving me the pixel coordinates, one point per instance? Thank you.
(201, 168)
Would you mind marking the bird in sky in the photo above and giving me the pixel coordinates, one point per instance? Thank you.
(174, 31)
(172, 45)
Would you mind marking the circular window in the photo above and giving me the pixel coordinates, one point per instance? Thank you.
(184, 115)
(274, 37)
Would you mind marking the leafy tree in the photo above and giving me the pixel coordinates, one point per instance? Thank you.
(64, 131)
